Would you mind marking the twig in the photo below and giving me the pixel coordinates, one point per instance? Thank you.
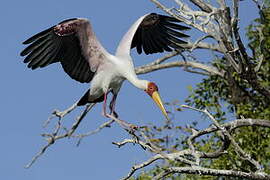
(203, 45)
(52, 138)
(142, 165)
(164, 58)
(195, 45)
(133, 141)
(102, 126)
(60, 114)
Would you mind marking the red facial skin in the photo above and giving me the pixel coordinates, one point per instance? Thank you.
(152, 87)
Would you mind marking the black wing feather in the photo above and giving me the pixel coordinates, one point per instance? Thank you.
(49, 60)
(152, 41)
(168, 18)
(38, 51)
(175, 33)
(45, 56)
(138, 46)
(35, 45)
(53, 58)
(48, 47)
(162, 39)
(158, 33)
(146, 45)
(175, 26)
(37, 36)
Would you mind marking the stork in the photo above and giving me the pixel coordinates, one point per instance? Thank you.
(73, 43)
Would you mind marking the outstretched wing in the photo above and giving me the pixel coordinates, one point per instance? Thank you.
(153, 33)
(72, 43)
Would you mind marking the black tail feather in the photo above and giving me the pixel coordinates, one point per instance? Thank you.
(84, 100)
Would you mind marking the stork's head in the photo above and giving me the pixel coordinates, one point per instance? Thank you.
(152, 91)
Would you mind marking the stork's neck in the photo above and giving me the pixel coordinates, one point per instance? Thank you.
(126, 68)
(139, 83)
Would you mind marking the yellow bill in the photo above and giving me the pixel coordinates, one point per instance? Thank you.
(158, 101)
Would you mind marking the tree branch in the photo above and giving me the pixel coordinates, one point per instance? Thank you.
(210, 70)
(224, 131)
(193, 164)
(142, 165)
(212, 172)
(90, 133)
(203, 5)
(53, 137)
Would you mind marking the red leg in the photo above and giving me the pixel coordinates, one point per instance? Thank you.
(104, 113)
(127, 126)
(112, 105)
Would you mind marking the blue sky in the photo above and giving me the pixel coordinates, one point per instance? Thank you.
(28, 97)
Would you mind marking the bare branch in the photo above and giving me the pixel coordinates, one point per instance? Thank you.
(213, 172)
(203, 5)
(194, 166)
(60, 114)
(237, 149)
(203, 45)
(238, 123)
(211, 31)
(142, 165)
(207, 69)
(222, 4)
(97, 130)
(53, 137)
(195, 45)
(164, 58)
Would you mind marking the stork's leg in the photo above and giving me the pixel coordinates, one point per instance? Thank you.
(104, 113)
(112, 105)
(126, 125)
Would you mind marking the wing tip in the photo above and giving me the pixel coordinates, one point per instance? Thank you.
(168, 41)
(25, 42)
(22, 54)
(67, 20)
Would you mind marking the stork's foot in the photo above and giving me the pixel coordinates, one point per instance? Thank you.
(105, 115)
(131, 128)
(115, 114)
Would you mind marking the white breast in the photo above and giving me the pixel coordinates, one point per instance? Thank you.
(106, 79)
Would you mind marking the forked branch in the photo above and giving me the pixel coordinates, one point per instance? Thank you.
(192, 165)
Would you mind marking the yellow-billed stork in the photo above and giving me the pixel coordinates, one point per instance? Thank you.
(73, 43)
